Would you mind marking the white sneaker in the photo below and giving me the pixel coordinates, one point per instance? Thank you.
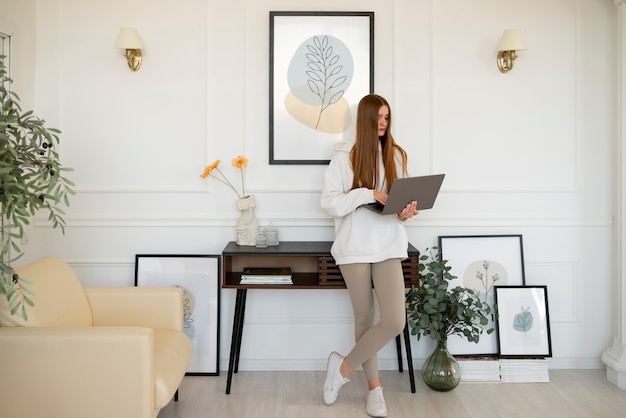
(376, 403)
(334, 380)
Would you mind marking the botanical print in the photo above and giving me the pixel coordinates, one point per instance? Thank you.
(321, 65)
(189, 304)
(523, 321)
(319, 74)
(198, 278)
(483, 275)
(481, 262)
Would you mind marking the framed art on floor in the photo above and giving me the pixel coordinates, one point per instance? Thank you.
(481, 262)
(523, 325)
(321, 64)
(199, 278)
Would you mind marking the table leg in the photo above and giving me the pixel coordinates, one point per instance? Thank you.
(242, 315)
(235, 338)
(409, 356)
(399, 351)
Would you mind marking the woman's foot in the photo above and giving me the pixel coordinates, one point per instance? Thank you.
(376, 403)
(334, 380)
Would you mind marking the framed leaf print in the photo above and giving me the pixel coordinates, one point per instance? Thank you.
(480, 262)
(321, 65)
(523, 324)
(199, 277)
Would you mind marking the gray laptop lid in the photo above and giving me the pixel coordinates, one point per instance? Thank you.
(423, 189)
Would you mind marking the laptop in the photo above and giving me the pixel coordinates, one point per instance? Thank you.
(422, 189)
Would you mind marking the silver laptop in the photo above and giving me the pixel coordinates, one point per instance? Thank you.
(422, 189)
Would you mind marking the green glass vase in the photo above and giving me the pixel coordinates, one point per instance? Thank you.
(440, 371)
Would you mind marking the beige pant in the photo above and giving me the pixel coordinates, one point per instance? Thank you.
(388, 281)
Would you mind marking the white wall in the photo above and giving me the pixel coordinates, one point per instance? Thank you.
(528, 152)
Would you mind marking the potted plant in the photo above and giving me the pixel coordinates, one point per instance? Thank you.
(31, 179)
(437, 310)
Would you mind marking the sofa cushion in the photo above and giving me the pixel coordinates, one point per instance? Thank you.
(58, 297)
(172, 351)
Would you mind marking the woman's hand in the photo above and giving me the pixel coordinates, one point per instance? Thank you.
(409, 211)
(380, 197)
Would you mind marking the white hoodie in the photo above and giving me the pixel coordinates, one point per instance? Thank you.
(361, 236)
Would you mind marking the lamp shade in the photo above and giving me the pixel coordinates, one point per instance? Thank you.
(512, 41)
(128, 38)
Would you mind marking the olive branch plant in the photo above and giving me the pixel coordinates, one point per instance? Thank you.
(31, 179)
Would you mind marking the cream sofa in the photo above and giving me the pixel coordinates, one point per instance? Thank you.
(107, 352)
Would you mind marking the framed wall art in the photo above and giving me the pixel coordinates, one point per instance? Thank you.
(481, 262)
(523, 325)
(199, 277)
(321, 64)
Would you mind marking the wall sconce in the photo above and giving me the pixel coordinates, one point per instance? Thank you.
(511, 41)
(128, 39)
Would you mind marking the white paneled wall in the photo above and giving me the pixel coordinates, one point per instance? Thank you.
(528, 152)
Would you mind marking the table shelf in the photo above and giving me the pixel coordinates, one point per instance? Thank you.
(300, 280)
(311, 264)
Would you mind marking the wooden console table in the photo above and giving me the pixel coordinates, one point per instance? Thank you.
(304, 258)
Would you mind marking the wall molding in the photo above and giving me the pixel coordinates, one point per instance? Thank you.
(314, 189)
(316, 220)
(315, 364)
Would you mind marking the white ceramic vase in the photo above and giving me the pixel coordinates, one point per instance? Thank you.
(247, 224)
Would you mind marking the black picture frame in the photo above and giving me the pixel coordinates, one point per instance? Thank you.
(523, 324)
(309, 50)
(474, 256)
(200, 278)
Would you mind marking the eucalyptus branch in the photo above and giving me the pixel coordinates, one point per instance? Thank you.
(436, 310)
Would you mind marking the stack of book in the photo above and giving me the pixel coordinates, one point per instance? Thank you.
(479, 368)
(266, 275)
(524, 370)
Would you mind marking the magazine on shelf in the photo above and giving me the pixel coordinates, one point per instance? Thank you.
(266, 275)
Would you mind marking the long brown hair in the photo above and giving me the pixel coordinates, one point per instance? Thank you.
(364, 154)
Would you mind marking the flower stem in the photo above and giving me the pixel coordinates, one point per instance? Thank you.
(243, 186)
(225, 181)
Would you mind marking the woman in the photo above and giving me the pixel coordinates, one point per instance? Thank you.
(368, 247)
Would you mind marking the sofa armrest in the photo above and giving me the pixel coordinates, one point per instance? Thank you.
(152, 307)
(77, 372)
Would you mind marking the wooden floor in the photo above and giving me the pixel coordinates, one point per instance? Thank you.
(570, 393)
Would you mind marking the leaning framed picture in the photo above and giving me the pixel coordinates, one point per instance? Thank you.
(199, 278)
(523, 325)
(321, 64)
(481, 262)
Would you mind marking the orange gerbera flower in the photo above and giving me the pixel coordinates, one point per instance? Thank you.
(240, 162)
(209, 169)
